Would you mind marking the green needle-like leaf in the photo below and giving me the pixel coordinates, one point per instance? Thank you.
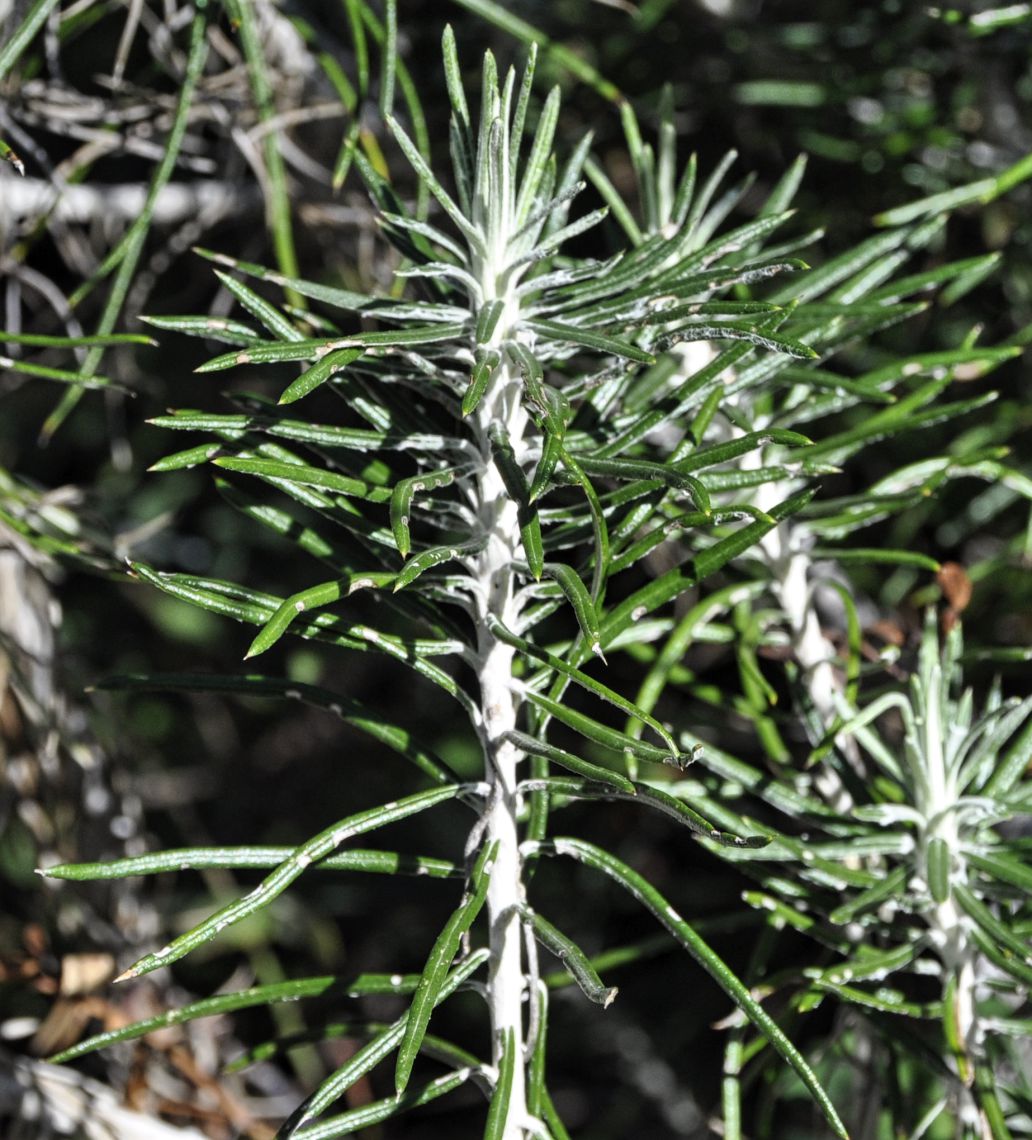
(439, 963)
(275, 884)
(227, 1003)
(373, 1053)
(574, 959)
(325, 594)
(571, 763)
(739, 993)
(577, 595)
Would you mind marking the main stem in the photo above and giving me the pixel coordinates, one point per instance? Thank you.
(496, 597)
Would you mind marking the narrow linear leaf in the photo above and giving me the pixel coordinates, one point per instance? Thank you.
(96, 341)
(222, 329)
(646, 795)
(438, 964)
(996, 929)
(61, 375)
(402, 498)
(313, 598)
(739, 993)
(249, 859)
(868, 554)
(1001, 866)
(305, 475)
(430, 180)
(589, 684)
(278, 323)
(319, 373)
(498, 1123)
(660, 473)
(534, 747)
(346, 1123)
(577, 595)
(271, 887)
(263, 996)
(437, 556)
(484, 366)
(588, 338)
(607, 737)
(375, 1051)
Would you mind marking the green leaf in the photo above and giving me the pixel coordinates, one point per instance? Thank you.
(98, 341)
(484, 366)
(249, 859)
(732, 331)
(269, 352)
(980, 191)
(574, 959)
(276, 322)
(211, 328)
(336, 298)
(436, 556)
(997, 930)
(488, 317)
(264, 996)
(314, 597)
(534, 747)
(1012, 766)
(608, 737)
(346, 1123)
(739, 993)
(537, 159)
(1009, 962)
(499, 1124)
(516, 485)
(401, 501)
(724, 452)
(371, 1054)
(61, 375)
(439, 962)
(319, 373)
(596, 688)
(316, 848)
(889, 887)
(647, 795)
(251, 607)
(587, 338)
(580, 601)
(722, 552)
(660, 473)
(26, 24)
(430, 180)
(305, 476)
(1002, 866)
(874, 554)
(937, 861)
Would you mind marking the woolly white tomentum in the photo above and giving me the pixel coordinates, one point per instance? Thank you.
(495, 597)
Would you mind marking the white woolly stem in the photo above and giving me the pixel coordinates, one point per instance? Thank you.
(496, 597)
(790, 566)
